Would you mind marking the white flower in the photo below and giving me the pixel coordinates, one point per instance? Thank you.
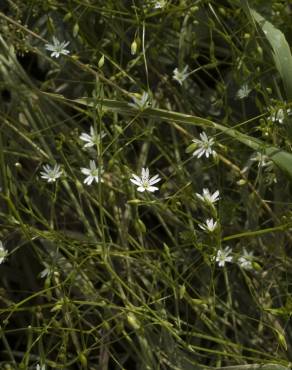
(223, 256)
(207, 197)
(48, 271)
(142, 102)
(159, 4)
(91, 139)
(243, 92)
(3, 253)
(204, 146)
(38, 367)
(51, 174)
(279, 115)
(262, 159)
(180, 76)
(245, 261)
(57, 47)
(209, 226)
(92, 173)
(144, 182)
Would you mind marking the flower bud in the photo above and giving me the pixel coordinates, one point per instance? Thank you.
(101, 62)
(134, 47)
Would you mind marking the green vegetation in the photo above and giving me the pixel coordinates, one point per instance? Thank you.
(105, 265)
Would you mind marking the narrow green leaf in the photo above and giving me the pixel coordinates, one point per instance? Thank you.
(280, 50)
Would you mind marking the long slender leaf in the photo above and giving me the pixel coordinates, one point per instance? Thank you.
(280, 50)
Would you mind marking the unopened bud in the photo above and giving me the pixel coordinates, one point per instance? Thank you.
(101, 62)
(134, 47)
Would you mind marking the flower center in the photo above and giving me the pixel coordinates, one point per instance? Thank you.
(95, 173)
(222, 257)
(145, 183)
(207, 145)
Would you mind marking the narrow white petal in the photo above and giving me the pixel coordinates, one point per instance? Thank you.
(85, 137)
(91, 131)
(85, 171)
(154, 181)
(215, 196)
(201, 152)
(152, 188)
(88, 180)
(92, 165)
(203, 136)
(138, 183)
(49, 47)
(197, 152)
(47, 168)
(154, 178)
(145, 173)
(137, 178)
(200, 197)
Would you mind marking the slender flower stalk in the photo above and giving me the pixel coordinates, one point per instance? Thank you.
(92, 173)
(145, 182)
(204, 146)
(210, 225)
(57, 47)
(180, 76)
(207, 197)
(92, 139)
(223, 256)
(51, 174)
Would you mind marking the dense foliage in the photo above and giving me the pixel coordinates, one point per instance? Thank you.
(105, 265)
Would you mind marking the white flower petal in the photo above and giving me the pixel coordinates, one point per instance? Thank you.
(85, 137)
(136, 182)
(85, 171)
(88, 180)
(137, 178)
(152, 188)
(92, 165)
(154, 181)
